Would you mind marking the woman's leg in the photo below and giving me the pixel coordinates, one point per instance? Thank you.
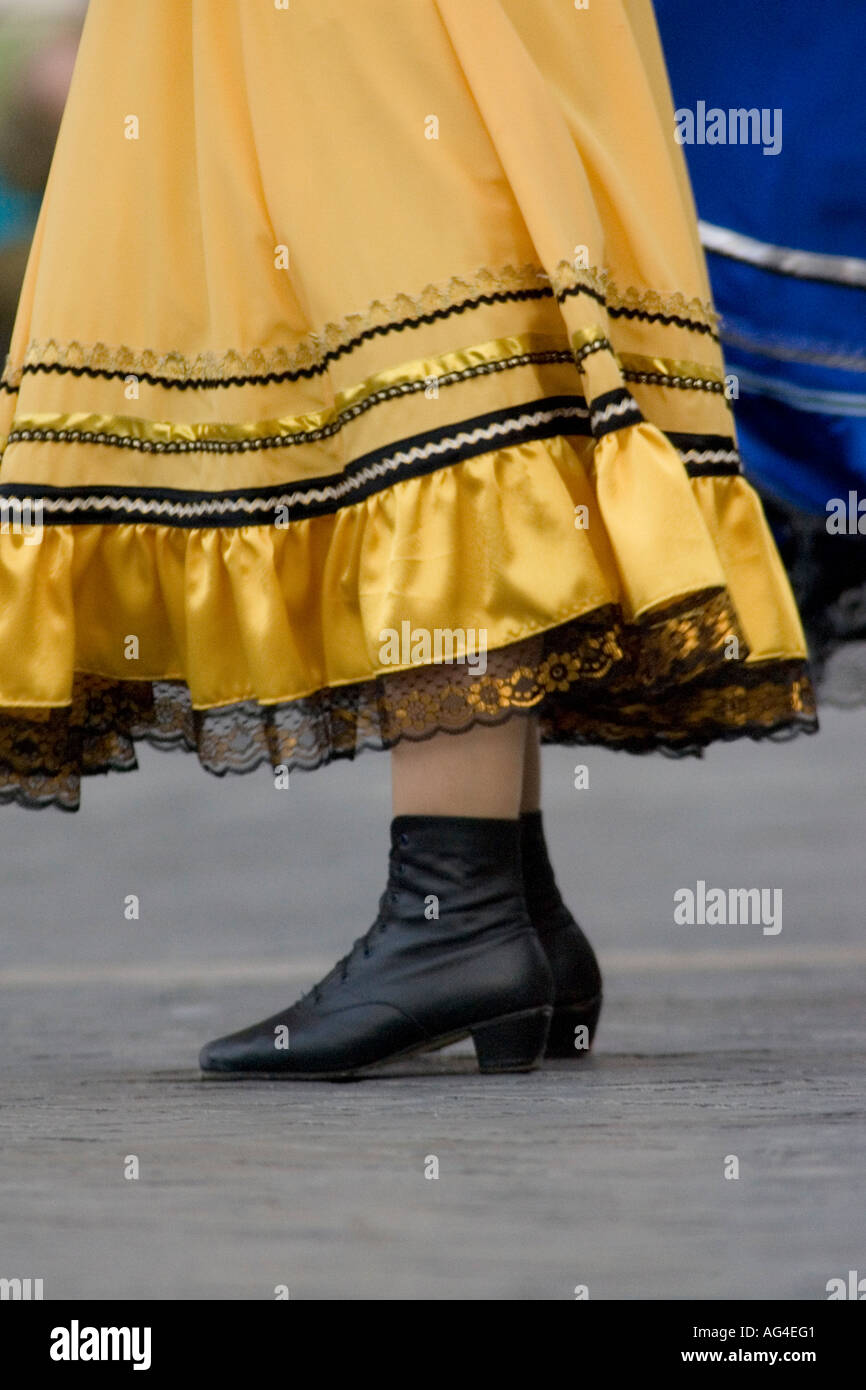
(479, 773)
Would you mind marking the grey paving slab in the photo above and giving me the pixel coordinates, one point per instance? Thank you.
(716, 1042)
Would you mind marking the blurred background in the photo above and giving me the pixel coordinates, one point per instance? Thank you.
(785, 236)
(38, 43)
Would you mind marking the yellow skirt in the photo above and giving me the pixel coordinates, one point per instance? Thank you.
(366, 383)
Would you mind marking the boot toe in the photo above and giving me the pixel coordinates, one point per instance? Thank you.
(216, 1055)
(246, 1051)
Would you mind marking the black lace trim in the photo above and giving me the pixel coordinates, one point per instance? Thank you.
(663, 685)
(379, 330)
(367, 335)
(616, 311)
(299, 437)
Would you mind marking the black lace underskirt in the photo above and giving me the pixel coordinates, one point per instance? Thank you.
(828, 576)
(663, 685)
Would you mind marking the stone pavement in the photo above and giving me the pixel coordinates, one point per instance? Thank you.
(717, 1042)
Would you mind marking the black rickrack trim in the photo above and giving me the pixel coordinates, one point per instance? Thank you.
(614, 410)
(329, 431)
(497, 430)
(377, 331)
(354, 412)
(380, 330)
(645, 315)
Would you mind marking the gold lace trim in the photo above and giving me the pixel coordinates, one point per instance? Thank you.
(661, 684)
(568, 277)
(313, 350)
(309, 352)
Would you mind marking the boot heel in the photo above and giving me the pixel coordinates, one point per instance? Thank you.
(513, 1043)
(564, 1039)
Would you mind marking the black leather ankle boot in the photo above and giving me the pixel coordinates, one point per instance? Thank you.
(451, 953)
(576, 976)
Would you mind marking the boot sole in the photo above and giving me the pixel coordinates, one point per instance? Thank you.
(510, 1043)
(563, 1040)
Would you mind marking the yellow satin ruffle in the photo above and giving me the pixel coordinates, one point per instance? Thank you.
(273, 615)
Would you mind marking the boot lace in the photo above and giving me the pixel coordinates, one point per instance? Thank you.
(365, 944)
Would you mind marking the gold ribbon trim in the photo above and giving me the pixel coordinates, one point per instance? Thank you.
(409, 378)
